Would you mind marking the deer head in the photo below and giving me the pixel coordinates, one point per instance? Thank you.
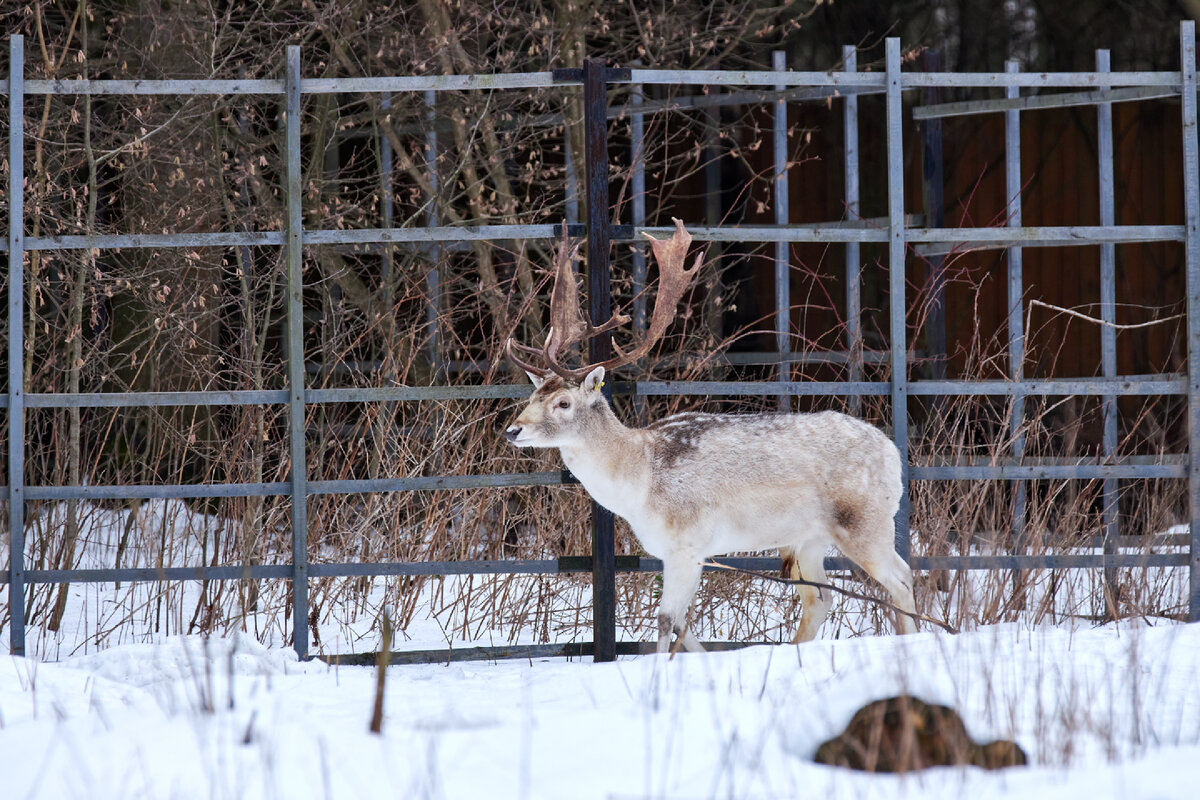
(567, 404)
(568, 325)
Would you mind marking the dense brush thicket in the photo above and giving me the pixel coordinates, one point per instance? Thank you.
(214, 319)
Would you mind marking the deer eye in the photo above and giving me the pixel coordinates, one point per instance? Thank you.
(564, 403)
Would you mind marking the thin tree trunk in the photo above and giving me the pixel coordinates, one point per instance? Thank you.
(85, 265)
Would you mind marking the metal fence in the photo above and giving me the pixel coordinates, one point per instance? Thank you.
(778, 87)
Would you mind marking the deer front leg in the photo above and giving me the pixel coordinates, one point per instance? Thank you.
(681, 577)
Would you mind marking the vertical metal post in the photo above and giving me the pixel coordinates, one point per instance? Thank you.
(933, 202)
(853, 259)
(896, 284)
(1016, 301)
(595, 122)
(572, 199)
(433, 283)
(295, 335)
(713, 154)
(383, 427)
(637, 146)
(1191, 204)
(16, 343)
(243, 124)
(783, 300)
(1108, 334)
(933, 199)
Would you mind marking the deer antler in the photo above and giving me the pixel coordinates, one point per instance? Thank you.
(673, 281)
(568, 325)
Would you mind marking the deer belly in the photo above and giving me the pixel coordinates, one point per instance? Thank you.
(762, 537)
(758, 526)
(716, 536)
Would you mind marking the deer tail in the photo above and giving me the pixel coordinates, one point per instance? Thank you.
(789, 571)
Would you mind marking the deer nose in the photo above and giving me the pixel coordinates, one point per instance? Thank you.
(513, 432)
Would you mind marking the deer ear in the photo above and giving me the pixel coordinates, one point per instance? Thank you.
(535, 379)
(594, 381)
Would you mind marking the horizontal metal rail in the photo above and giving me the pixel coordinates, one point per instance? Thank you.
(172, 86)
(545, 80)
(1043, 101)
(162, 491)
(1051, 236)
(1083, 386)
(117, 241)
(138, 574)
(415, 83)
(908, 80)
(433, 235)
(937, 243)
(1031, 470)
(1141, 385)
(504, 652)
(422, 83)
(760, 388)
(1158, 467)
(860, 231)
(1126, 385)
(388, 394)
(582, 565)
(155, 399)
(1039, 80)
(419, 393)
(1129, 385)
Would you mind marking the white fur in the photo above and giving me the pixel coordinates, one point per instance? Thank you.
(698, 485)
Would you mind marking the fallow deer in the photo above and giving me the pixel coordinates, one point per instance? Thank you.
(696, 485)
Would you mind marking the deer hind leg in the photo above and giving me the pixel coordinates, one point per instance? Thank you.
(808, 563)
(681, 578)
(879, 558)
(895, 575)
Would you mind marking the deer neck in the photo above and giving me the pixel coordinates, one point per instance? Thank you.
(612, 463)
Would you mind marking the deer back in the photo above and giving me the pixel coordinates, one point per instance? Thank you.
(773, 460)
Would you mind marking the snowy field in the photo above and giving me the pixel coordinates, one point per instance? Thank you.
(1110, 712)
(107, 708)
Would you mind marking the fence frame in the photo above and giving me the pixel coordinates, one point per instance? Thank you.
(1100, 88)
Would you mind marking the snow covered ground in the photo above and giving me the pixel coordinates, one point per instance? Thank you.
(1109, 712)
(108, 708)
